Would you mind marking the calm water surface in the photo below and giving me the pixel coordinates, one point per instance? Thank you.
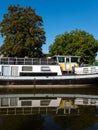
(85, 119)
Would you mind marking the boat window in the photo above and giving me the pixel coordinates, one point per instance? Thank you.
(13, 101)
(45, 102)
(61, 59)
(85, 101)
(26, 103)
(85, 70)
(93, 69)
(75, 59)
(26, 68)
(67, 60)
(45, 68)
(93, 101)
(4, 102)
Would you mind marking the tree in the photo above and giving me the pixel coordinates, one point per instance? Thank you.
(23, 33)
(76, 42)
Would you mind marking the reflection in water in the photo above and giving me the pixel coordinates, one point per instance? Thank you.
(23, 112)
(86, 120)
(72, 113)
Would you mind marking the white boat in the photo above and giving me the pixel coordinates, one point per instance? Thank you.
(56, 72)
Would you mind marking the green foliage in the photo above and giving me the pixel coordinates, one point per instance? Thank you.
(23, 32)
(76, 42)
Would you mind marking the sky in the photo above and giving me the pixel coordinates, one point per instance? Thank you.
(60, 16)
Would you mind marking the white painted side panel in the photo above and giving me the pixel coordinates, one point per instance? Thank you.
(6, 70)
(14, 70)
(86, 70)
(37, 68)
(56, 68)
(55, 103)
(35, 103)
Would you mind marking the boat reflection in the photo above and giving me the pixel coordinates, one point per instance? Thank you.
(48, 111)
(58, 104)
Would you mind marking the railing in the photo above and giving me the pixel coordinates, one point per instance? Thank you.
(27, 61)
(27, 110)
(40, 110)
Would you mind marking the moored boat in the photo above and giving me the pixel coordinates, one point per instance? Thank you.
(58, 71)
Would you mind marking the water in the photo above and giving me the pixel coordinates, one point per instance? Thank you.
(84, 117)
(86, 121)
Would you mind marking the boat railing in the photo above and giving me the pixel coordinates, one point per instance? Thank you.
(27, 61)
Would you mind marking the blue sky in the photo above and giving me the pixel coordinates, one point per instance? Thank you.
(60, 16)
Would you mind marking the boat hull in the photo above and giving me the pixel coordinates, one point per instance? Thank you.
(68, 81)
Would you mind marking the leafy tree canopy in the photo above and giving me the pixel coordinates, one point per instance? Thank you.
(23, 33)
(76, 42)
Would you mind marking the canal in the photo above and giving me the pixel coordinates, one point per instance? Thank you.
(78, 109)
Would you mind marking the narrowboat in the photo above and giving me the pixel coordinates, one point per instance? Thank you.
(58, 71)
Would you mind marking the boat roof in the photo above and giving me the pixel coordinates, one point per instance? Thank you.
(65, 56)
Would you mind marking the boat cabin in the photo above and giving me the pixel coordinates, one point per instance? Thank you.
(28, 67)
(67, 62)
(56, 65)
